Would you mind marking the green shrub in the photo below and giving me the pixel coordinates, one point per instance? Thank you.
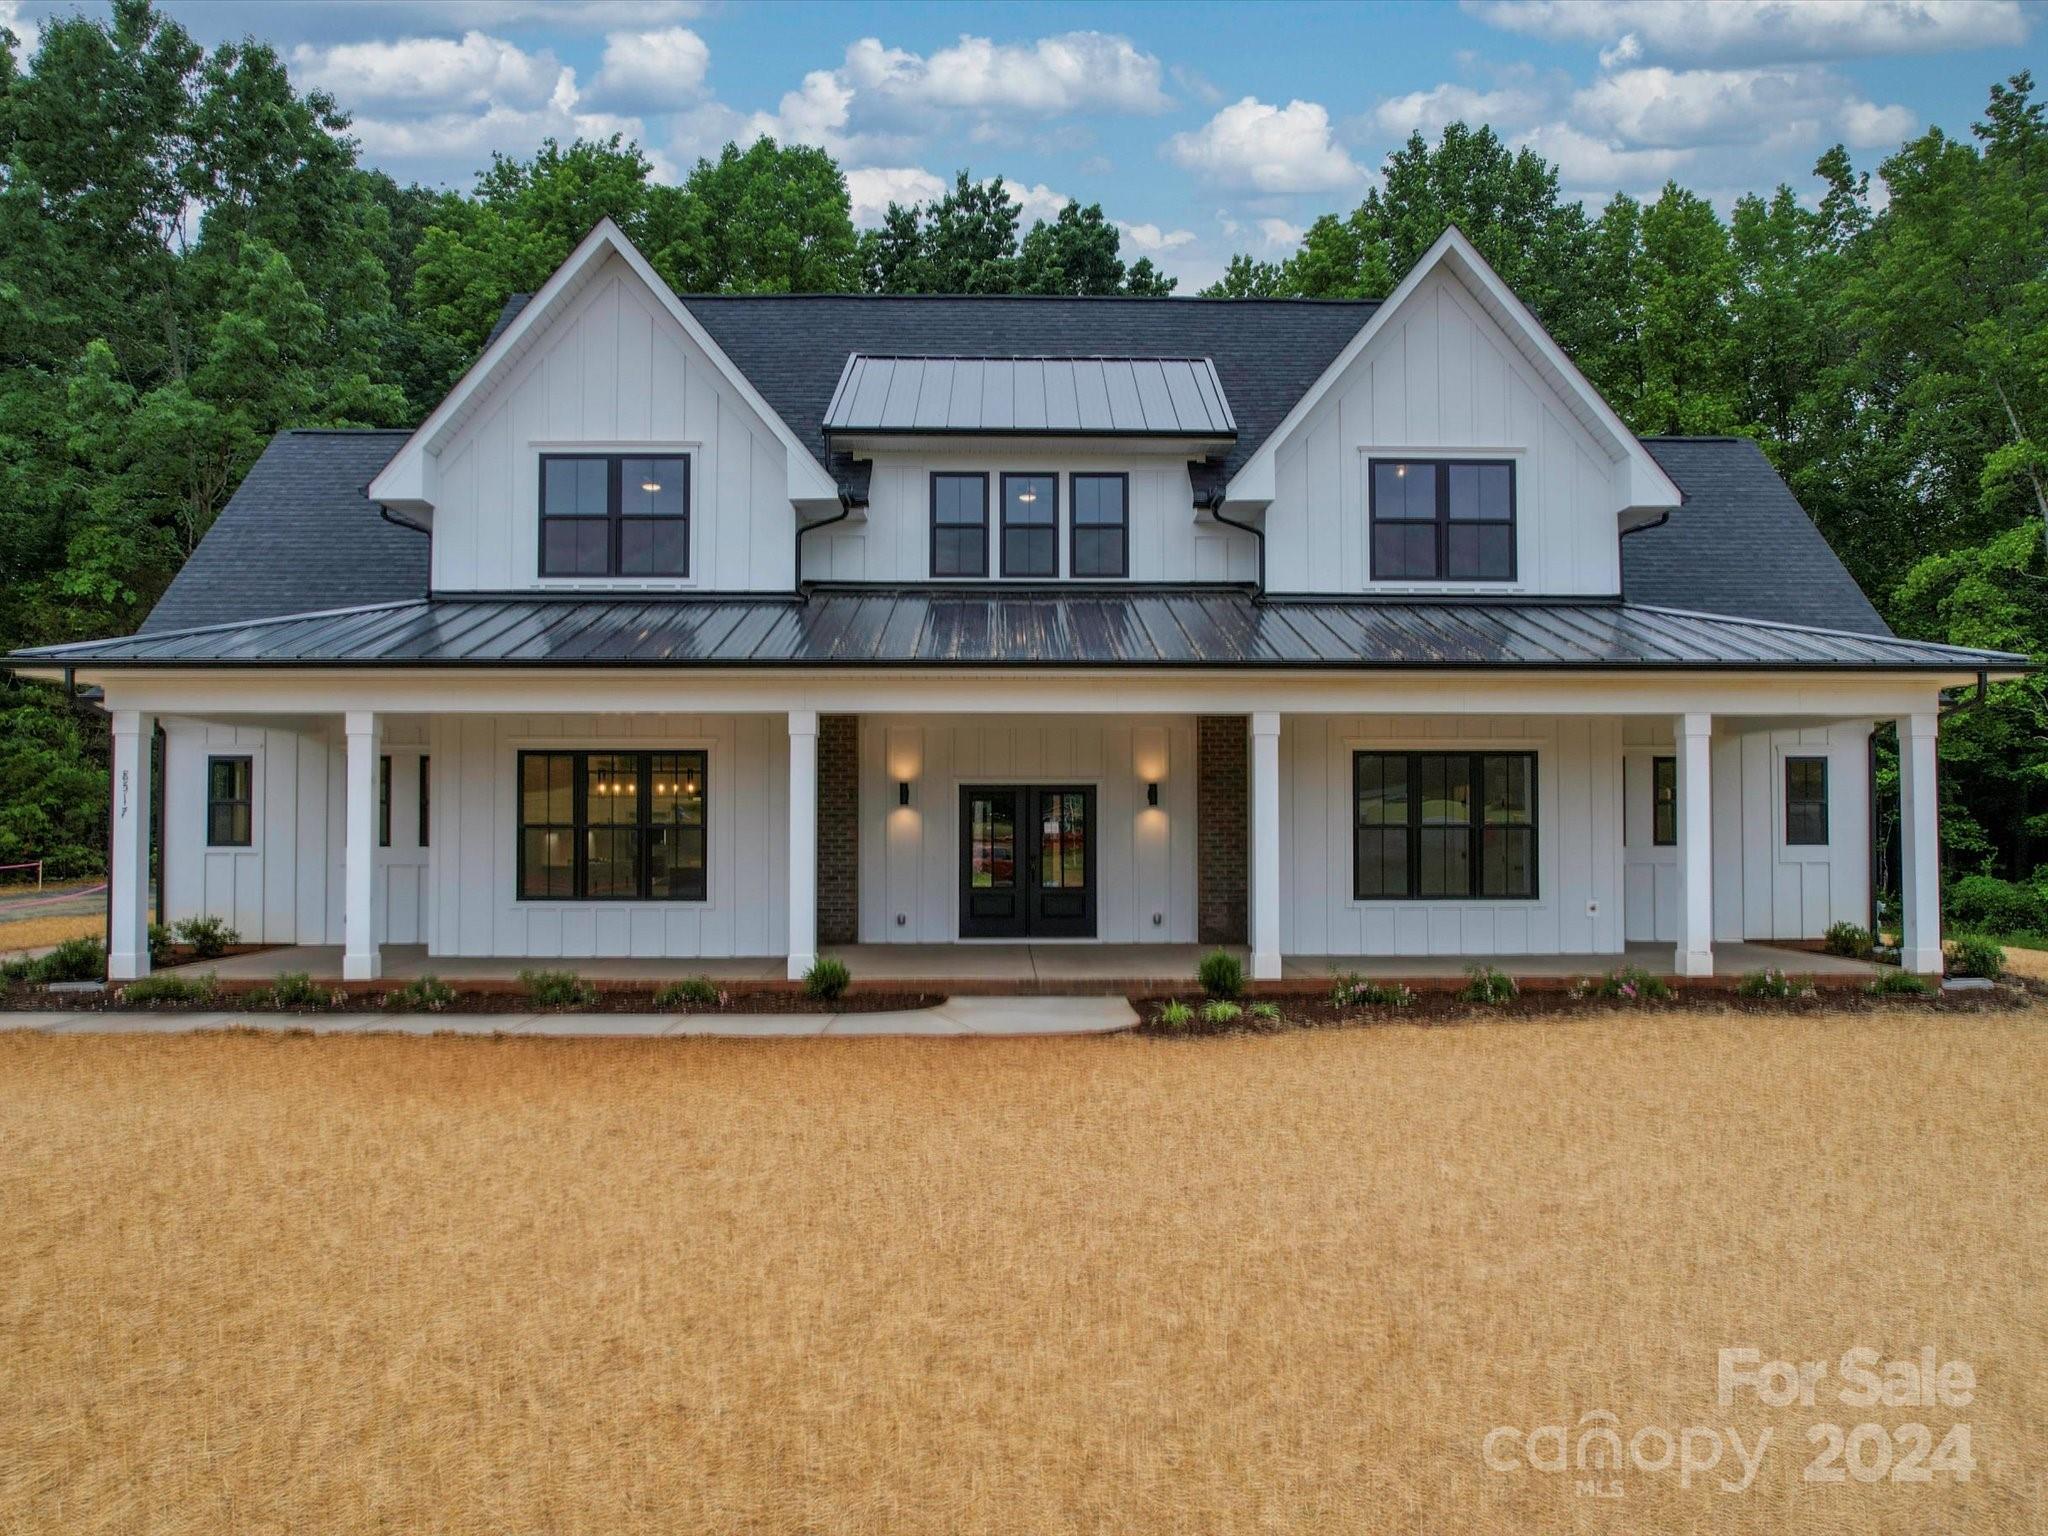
(1221, 974)
(826, 979)
(159, 945)
(1896, 983)
(1266, 1014)
(172, 988)
(1987, 904)
(1850, 939)
(1489, 985)
(1771, 983)
(1632, 984)
(1974, 955)
(1173, 1015)
(74, 960)
(1350, 990)
(557, 989)
(12, 971)
(691, 992)
(1221, 1013)
(295, 989)
(427, 994)
(208, 937)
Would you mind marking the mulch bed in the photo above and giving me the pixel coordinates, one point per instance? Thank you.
(1443, 1006)
(504, 998)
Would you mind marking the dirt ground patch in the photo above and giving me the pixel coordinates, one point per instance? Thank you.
(268, 1284)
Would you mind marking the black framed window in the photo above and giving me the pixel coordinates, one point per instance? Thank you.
(612, 826)
(1443, 825)
(384, 801)
(1031, 525)
(1664, 802)
(959, 525)
(1806, 801)
(1443, 520)
(1102, 525)
(230, 822)
(614, 514)
(426, 783)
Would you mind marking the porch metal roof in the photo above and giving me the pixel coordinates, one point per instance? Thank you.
(1005, 626)
(1038, 396)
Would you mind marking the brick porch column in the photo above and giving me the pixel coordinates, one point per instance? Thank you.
(1222, 828)
(838, 829)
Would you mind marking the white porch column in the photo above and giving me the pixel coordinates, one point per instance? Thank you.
(1919, 847)
(1695, 951)
(128, 932)
(1265, 845)
(803, 841)
(361, 959)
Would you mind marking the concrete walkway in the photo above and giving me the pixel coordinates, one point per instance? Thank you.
(985, 1017)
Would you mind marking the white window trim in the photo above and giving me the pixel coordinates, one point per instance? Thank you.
(692, 450)
(1544, 748)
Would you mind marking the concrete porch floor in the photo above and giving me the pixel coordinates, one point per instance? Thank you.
(1033, 964)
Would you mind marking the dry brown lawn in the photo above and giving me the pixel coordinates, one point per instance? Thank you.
(264, 1284)
(40, 932)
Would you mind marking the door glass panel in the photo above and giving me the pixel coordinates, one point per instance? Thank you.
(1063, 843)
(992, 834)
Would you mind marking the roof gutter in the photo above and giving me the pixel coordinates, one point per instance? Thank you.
(396, 521)
(846, 506)
(1212, 502)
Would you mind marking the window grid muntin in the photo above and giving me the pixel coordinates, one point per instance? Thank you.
(230, 801)
(1663, 802)
(1395, 833)
(619, 526)
(1427, 522)
(1035, 525)
(961, 534)
(1091, 533)
(633, 830)
(1806, 802)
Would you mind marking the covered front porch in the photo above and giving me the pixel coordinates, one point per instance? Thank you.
(1052, 968)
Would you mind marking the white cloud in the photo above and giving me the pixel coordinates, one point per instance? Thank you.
(1685, 108)
(24, 29)
(1866, 125)
(873, 188)
(1074, 72)
(579, 15)
(1765, 30)
(1587, 163)
(652, 70)
(1281, 235)
(1151, 240)
(465, 140)
(1428, 111)
(1039, 202)
(1267, 149)
(444, 72)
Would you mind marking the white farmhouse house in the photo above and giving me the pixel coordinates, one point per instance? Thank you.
(689, 628)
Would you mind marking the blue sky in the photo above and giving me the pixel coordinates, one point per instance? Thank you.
(1202, 129)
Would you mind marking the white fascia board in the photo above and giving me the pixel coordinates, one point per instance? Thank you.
(404, 485)
(1649, 487)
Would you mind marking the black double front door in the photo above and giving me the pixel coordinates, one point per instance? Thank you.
(1027, 861)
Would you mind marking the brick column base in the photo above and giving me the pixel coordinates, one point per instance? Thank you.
(838, 829)
(1222, 828)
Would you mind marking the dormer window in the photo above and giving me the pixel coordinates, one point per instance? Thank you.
(614, 514)
(1443, 520)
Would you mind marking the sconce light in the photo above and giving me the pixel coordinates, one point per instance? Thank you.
(1152, 793)
(903, 791)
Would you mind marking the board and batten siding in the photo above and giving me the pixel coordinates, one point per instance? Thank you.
(613, 372)
(1577, 909)
(910, 855)
(891, 541)
(1764, 888)
(476, 910)
(1443, 380)
(286, 887)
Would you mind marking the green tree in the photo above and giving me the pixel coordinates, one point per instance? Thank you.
(766, 219)
(1686, 274)
(962, 242)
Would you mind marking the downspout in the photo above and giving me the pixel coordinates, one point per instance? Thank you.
(1214, 507)
(846, 505)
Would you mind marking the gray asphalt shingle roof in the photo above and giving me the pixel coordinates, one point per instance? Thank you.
(298, 534)
(1741, 544)
(1039, 628)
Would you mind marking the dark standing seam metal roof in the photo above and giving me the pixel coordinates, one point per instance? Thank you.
(1121, 396)
(1741, 544)
(299, 534)
(1041, 628)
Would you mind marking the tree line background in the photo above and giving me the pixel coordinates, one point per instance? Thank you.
(192, 257)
